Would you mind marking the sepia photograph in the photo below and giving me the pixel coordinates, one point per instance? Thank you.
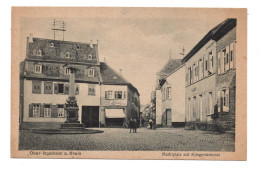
(133, 83)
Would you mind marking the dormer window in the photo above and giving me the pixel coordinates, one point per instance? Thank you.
(67, 55)
(91, 72)
(37, 68)
(67, 71)
(78, 47)
(51, 44)
(39, 52)
(90, 57)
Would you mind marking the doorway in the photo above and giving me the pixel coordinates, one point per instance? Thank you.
(90, 116)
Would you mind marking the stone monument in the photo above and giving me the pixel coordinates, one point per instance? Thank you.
(71, 105)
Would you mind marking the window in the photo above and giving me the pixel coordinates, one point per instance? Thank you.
(210, 104)
(225, 100)
(36, 86)
(51, 44)
(200, 69)
(78, 47)
(109, 94)
(91, 73)
(48, 87)
(118, 94)
(91, 89)
(90, 57)
(67, 71)
(61, 88)
(67, 55)
(168, 93)
(200, 107)
(39, 52)
(37, 68)
(124, 95)
(36, 110)
(211, 62)
(47, 110)
(60, 110)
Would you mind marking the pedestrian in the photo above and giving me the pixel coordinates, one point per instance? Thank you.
(151, 123)
(131, 125)
(135, 126)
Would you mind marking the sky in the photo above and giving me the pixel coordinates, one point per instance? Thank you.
(139, 45)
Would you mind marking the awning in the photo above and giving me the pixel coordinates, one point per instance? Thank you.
(115, 113)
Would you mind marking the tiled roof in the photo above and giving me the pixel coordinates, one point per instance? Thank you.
(216, 33)
(170, 66)
(110, 76)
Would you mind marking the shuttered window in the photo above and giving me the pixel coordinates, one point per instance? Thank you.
(91, 90)
(36, 86)
(48, 87)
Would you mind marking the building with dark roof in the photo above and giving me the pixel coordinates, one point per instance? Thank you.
(213, 54)
(44, 77)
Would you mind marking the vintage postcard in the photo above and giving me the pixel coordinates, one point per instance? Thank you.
(129, 83)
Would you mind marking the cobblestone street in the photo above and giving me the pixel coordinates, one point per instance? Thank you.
(120, 139)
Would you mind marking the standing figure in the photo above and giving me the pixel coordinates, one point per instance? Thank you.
(151, 123)
(131, 125)
(135, 125)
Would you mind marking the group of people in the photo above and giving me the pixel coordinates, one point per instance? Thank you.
(133, 125)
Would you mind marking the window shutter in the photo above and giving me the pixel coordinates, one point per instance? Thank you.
(227, 99)
(234, 55)
(77, 89)
(219, 100)
(66, 90)
(186, 78)
(227, 58)
(105, 94)
(65, 111)
(41, 110)
(45, 88)
(30, 110)
(231, 62)
(55, 88)
(54, 112)
(218, 63)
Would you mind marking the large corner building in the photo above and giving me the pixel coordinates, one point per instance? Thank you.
(104, 97)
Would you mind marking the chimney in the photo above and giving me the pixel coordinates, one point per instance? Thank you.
(30, 37)
(121, 72)
(104, 59)
(91, 43)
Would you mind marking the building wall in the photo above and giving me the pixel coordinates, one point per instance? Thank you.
(198, 107)
(112, 103)
(83, 100)
(227, 80)
(158, 107)
(177, 81)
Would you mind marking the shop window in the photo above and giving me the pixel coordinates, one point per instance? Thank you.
(47, 110)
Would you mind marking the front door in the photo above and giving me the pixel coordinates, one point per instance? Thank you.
(90, 116)
(168, 117)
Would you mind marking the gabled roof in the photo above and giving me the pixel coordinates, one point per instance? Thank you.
(111, 77)
(170, 66)
(215, 34)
